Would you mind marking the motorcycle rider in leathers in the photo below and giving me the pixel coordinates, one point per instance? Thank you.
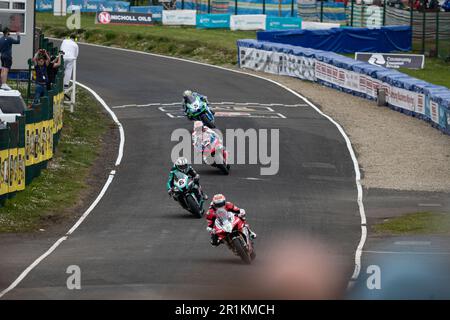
(182, 165)
(219, 201)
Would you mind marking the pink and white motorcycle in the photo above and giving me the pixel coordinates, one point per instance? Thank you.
(213, 151)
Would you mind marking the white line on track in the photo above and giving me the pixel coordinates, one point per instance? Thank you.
(408, 252)
(360, 203)
(156, 104)
(91, 207)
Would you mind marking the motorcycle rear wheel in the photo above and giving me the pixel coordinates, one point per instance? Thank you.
(241, 251)
(210, 124)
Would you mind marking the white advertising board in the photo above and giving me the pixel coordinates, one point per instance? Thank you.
(248, 22)
(179, 17)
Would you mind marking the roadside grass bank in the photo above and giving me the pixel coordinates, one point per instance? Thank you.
(214, 46)
(60, 185)
(415, 223)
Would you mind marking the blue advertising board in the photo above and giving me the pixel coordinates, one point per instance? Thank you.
(209, 21)
(44, 5)
(283, 23)
(86, 5)
(156, 11)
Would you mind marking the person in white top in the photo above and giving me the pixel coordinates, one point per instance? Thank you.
(70, 49)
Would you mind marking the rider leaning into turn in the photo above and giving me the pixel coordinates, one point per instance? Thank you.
(189, 95)
(219, 201)
(202, 133)
(182, 165)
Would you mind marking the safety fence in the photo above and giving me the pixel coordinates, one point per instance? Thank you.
(403, 93)
(28, 141)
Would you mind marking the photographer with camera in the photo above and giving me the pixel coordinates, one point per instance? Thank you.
(52, 70)
(41, 62)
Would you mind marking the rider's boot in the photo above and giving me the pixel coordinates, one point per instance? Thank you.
(214, 240)
(252, 234)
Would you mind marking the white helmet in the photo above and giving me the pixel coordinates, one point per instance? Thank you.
(219, 200)
(182, 164)
(198, 125)
(187, 93)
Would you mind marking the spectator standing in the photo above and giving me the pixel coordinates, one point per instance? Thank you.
(41, 61)
(70, 49)
(52, 70)
(6, 43)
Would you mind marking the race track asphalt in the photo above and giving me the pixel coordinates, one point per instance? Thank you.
(138, 243)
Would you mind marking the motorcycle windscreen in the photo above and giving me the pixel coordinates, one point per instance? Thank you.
(224, 220)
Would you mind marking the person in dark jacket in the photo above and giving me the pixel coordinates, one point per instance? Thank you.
(41, 61)
(6, 43)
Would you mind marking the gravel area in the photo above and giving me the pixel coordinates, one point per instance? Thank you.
(395, 151)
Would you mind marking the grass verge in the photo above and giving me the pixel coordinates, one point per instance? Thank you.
(416, 223)
(214, 46)
(59, 186)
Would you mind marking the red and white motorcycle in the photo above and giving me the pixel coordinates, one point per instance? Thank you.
(213, 151)
(233, 231)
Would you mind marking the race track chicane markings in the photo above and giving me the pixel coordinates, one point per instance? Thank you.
(229, 111)
(224, 109)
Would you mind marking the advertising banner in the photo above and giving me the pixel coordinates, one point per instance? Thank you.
(124, 18)
(44, 5)
(392, 60)
(211, 21)
(248, 22)
(282, 23)
(309, 25)
(156, 11)
(277, 63)
(179, 17)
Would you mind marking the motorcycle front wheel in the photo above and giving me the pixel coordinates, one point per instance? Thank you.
(241, 251)
(194, 207)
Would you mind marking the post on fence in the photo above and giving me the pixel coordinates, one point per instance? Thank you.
(29, 81)
(292, 8)
(279, 8)
(437, 33)
(209, 6)
(384, 12)
(351, 13)
(264, 6)
(182, 4)
(424, 18)
(235, 6)
(321, 10)
(411, 16)
(74, 86)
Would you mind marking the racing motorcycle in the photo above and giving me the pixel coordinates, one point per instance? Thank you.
(185, 194)
(231, 230)
(199, 110)
(214, 153)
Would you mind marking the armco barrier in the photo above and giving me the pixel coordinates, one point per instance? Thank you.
(405, 94)
(28, 141)
(345, 40)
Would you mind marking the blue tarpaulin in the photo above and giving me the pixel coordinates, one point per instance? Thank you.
(345, 40)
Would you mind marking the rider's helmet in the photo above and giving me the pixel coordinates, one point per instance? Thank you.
(182, 164)
(198, 125)
(218, 200)
(187, 94)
